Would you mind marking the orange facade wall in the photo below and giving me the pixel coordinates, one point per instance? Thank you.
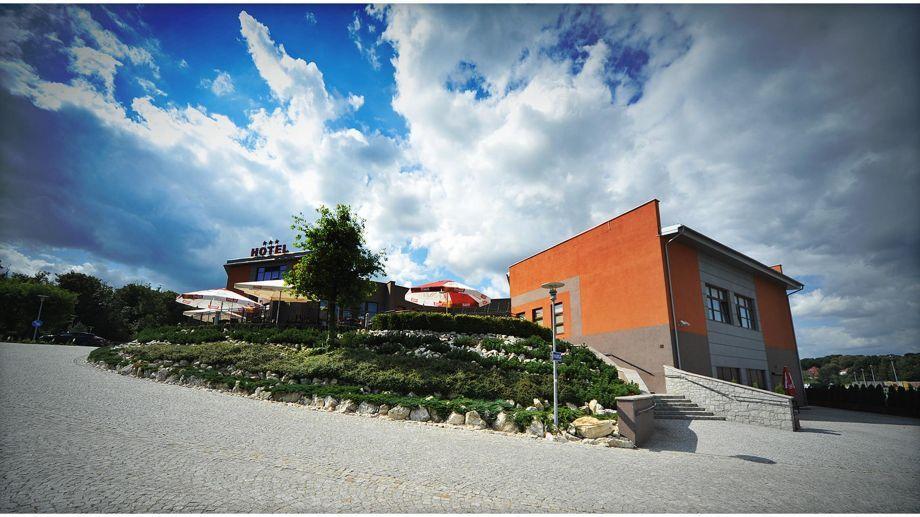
(775, 316)
(237, 274)
(688, 293)
(620, 268)
(544, 303)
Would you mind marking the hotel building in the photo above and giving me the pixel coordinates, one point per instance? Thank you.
(647, 296)
(387, 296)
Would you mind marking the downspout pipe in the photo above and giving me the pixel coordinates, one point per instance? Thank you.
(797, 358)
(667, 262)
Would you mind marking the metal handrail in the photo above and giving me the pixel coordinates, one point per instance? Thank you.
(646, 410)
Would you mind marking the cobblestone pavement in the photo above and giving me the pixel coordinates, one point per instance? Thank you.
(74, 438)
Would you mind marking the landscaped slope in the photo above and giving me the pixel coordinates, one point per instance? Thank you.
(442, 371)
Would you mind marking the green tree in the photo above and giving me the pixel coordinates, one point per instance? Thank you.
(139, 306)
(19, 297)
(337, 267)
(95, 307)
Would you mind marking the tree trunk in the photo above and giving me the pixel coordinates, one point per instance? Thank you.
(333, 317)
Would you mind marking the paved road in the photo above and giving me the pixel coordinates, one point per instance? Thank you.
(77, 439)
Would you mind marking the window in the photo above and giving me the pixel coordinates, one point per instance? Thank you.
(538, 315)
(728, 374)
(270, 273)
(757, 379)
(560, 324)
(717, 304)
(519, 315)
(744, 309)
(370, 308)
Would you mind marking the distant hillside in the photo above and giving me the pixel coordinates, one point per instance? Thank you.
(830, 367)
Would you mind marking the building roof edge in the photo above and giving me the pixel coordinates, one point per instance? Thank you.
(715, 246)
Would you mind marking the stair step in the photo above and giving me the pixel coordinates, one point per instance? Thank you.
(669, 397)
(688, 417)
(683, 411)
(675, 404)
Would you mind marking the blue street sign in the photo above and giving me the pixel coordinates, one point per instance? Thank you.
(557, 357)
(37, 323)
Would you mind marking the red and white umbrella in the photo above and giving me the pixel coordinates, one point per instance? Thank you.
(447, 294)
(219, 299)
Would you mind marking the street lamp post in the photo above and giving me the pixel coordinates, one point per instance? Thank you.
(41, 304)
(552, 286)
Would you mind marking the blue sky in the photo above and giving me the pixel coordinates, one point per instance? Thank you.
(151, 143)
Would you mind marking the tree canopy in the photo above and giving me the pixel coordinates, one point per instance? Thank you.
(830, 367)
(77, 301)
(338, 267)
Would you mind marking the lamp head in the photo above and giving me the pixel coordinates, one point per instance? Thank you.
(552, 286)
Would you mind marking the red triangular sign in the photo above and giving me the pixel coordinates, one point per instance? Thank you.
(788, 385)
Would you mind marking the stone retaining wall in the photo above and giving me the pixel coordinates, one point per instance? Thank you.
(735, 402)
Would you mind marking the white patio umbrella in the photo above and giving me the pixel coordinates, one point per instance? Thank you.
(220, 299)
(217, 299)
(209, 315)
(447, 294)
(272, 290)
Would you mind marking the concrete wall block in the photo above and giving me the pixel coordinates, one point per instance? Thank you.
(735, 402)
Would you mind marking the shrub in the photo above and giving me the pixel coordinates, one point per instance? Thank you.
(463, 323)
(105, 354)
(464, 342)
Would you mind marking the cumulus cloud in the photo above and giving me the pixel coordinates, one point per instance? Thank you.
(546, 122)
(220, 85)
(786, 132)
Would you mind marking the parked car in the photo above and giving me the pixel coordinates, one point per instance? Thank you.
(75, 338)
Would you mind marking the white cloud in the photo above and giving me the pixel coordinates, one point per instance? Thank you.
(150, 87)
(355, 101)
(530, 124)
(736, 130)
(91, 62)
(220, 85)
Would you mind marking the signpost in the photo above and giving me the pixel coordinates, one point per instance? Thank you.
(38, 320)
(552, 286)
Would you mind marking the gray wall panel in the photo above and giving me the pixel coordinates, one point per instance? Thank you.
(729, 344)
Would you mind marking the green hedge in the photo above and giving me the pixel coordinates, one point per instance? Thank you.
(181, 335)
(462, 323)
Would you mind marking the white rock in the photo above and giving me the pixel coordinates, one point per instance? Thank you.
(504, 423)
(536, 428)
(162, 374)
(592, 405)
(420, 414)
(330, 403)
(399, 413)
(623, 443)
(472, 418)
(590, 427)
(288, 397)
(384, 408)
(366, 408)
(537, 404)
(456, 418)
(347, 406)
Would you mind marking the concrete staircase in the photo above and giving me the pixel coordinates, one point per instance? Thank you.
(677, 407)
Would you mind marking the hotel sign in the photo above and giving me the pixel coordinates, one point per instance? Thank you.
(269, 248)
